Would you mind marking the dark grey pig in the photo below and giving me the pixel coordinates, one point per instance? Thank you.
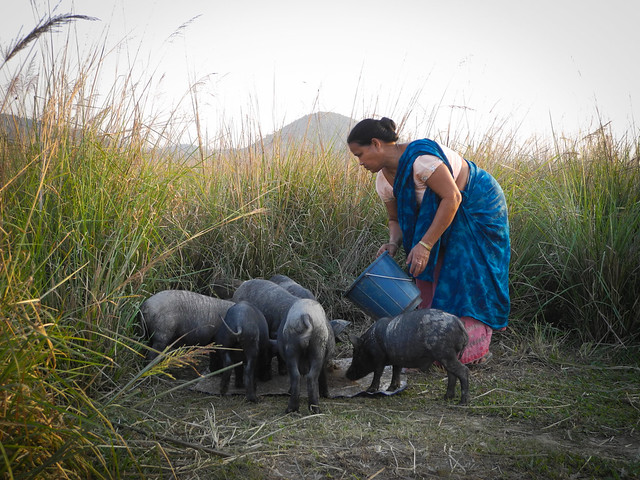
(244, 328)
(292, 286)
(180, 317)
(306, 342)
(270, 298)
(413, 339)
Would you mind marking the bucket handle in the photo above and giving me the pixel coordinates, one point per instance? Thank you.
(387, 277)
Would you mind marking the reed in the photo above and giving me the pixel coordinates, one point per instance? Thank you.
(576, 239)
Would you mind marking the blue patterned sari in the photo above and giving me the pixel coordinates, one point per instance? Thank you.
(475, 248)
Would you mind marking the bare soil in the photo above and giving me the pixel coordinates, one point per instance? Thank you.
(531, 416)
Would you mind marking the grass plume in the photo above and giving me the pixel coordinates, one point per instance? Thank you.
(49, 25)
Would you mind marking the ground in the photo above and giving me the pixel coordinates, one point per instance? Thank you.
(531, 416)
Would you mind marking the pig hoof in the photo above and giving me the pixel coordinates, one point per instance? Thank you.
(372, 390)
(315, 409)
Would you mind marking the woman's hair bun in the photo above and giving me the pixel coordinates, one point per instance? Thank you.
(388, 123)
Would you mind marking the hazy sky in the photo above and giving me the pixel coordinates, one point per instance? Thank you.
(463, 64)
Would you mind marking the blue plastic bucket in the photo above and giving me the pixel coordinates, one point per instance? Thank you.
(384, 289)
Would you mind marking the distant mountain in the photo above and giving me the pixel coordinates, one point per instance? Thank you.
(13, 127)
(315, 132)
(321, 130)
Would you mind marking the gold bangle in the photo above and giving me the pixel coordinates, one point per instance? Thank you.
(425, 245)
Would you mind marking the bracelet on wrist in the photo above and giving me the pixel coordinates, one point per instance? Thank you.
(425, 245)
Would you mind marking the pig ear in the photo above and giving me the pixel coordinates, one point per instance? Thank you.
(354, 340)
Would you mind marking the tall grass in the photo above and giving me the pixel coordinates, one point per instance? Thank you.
(96, 215)
(87, 225)
(576, 239)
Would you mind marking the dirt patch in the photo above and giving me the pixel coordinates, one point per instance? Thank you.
(528, 418)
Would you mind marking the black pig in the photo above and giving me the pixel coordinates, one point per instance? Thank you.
(244, 328)
(270, 298)
(306, 342)
(413, 339)
(292, 286)
(180, 317)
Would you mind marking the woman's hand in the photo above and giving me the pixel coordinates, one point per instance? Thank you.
(390, 247)
(418, 258)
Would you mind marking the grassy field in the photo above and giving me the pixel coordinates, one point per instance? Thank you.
(96, 214)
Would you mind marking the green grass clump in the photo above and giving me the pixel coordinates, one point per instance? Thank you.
(559, 465)
(575, 221)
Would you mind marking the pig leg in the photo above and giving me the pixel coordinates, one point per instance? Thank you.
(322, 383)
(395, 379)
(312, 391)
(226, 375)
(263, 368)
(215, 361)
(456, 370)
(294, 387)
(249, 379)
(313, 386)
(463, 375)
(375, 383)
(451, 385)
(239, 374)
(282, 366)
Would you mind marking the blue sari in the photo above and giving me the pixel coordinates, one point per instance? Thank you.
(475, 249)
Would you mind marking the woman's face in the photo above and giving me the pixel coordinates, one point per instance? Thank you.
(369, 156)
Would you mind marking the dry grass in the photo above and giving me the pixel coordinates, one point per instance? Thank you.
(528, 417)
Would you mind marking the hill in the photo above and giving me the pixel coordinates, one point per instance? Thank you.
(321, 130)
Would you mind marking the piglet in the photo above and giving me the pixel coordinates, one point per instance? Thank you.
(244, 337)
(180, 317)
(270, 298)
(413, 339)
(306, 342)
(292, 286)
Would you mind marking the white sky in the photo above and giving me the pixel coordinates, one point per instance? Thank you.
(271, 62)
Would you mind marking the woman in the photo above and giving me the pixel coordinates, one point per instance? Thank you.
(451, 218)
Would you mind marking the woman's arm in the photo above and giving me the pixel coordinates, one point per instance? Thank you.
(395, 233)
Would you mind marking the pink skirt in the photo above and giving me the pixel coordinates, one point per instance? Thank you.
(479, 333)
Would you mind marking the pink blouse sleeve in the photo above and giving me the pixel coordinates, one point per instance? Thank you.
(424, 166)
(384, 188)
